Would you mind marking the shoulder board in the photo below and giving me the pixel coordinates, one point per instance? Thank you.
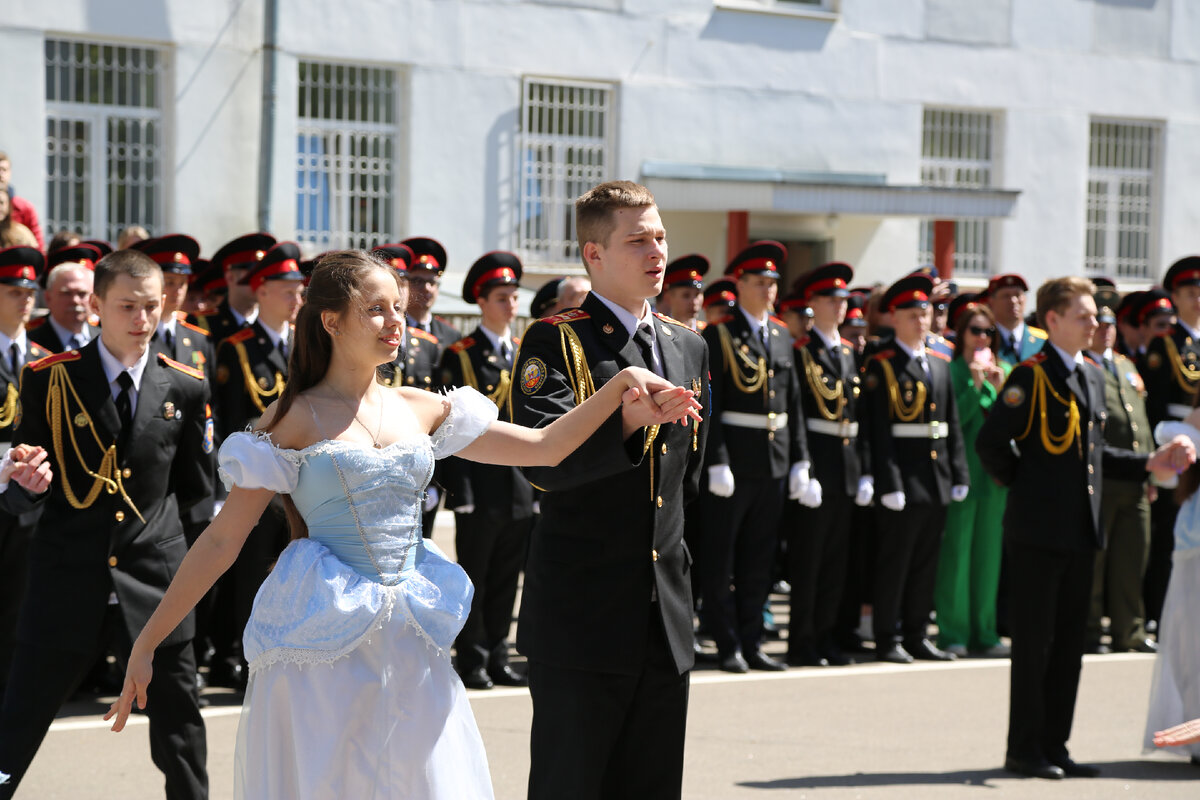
(462, 344)
(57, 358)
(192, 327)
(36, 351)
(1037, 332)
(938, 354)
(777, 320)
(240, 336)
(847, 342)
(184, 368)
(674, 321)
(516, 340)
(36, 323)
(567, 316)
(801, 342)
(420, 334)
(883, 355)
(1091, 361)
(1037, 358)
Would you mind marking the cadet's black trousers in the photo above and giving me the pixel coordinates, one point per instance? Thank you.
(14, 556)
(818, 546)
(906, 570)
(491, 550)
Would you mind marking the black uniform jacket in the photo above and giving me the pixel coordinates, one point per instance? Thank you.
(737, 355)
(445, 333)
(192, 346)
(499, 490)
(837, 460)
(610, 533)
(1053, 499)
(221, 324)
(251, 373)
(1170, 368)
(924, 468)
(79, 556)
(42, 332)
(416, 364)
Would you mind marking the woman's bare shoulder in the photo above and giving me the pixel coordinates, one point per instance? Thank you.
(429, 408)
(293, 431)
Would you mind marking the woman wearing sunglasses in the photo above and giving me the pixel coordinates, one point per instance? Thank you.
(969, 567)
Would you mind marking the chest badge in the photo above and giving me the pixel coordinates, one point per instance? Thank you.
(168, 410)
(607, 328)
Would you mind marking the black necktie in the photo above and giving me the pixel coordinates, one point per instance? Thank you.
(506, 353)
(282, 348)
(924, 365)
(15, 359)
(124, 408)
(169, 340)
(645, 343)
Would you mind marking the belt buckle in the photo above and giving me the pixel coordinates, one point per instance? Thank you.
(844, 428)
(771, 421)
(934, 431)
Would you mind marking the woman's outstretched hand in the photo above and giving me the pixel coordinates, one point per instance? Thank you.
(1185, 733)
(137, 679)
(652, 400)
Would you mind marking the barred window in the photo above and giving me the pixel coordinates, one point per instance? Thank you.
(564, 149)
(957, 151)
(346, 151)
(1121, 199)
(104, 137)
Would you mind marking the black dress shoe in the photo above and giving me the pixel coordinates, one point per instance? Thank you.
(894, 655)
(476, 679)
(734, 662)
(229, 674)
(803, 655)
(1034, 769)
(1073, 769)
(760, 660)
(506, 676)
(834, 656)
(925, 650)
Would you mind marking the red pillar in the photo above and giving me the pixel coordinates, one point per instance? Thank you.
(943, 248)
(737, 233)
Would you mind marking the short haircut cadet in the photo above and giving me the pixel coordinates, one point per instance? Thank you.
(1055, 295)
(594, 209)
(133, 263)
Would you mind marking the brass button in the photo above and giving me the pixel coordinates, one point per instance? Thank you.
(658, 501)
(933, 454)
(112, 561)
(490, 387)
(1091, 470)
(1091, 490)
(664, 448)
(1133, 426)
(125, 473)
(771, 393)
(933, 406)
(654, 555)
(1129, 407)
(1090, 425)
(1135, 445)
(119, 516)
(845, 442)
(411, 380)
(770, 436)
(770, 373)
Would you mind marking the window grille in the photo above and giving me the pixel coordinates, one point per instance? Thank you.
(564, 149)
(1121, 199)
(104, 137)
(957, 151)
(346, 152)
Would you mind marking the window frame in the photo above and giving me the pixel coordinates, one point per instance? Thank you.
(1109, 264)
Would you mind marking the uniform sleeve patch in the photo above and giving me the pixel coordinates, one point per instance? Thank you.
(1013, 396)
(533, 375)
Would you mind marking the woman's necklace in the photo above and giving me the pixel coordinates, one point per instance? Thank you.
(354, 412)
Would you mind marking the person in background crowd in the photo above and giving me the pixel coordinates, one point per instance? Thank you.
(424, 285)
(64, 239)
(22, 211)
(1124, 505)
(1153, 313)
(1005, 296)
(854, 327)
(416, 362)
(683, 290)
(206, 291)
(573, 290)
(178, 338)
(240, 305)
(12, 232)
(1129, 335)
(493, 505)
(130, 236)
(1052, 406)
(720, 299)
(919, 466)
(68, 285)
(795, 314)
(545, 299)
(968, 575)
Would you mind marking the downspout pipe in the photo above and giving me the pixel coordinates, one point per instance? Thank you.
(266, 145)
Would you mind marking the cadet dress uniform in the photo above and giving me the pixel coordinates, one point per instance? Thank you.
(606, 608)
(243, 252)
(126, 469)
(916, 453)
(819, 541)
(428, 254)
(758, 434)
(19, 266)
(492, 536)
(1124, 507)
(416, 363)
(1054, 410)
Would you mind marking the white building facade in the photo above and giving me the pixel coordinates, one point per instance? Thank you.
(1062, 136)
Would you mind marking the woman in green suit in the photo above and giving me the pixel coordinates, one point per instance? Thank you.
(969, 567)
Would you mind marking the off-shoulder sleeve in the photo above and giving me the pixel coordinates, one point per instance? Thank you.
(1169, 429)
(470, 415)
(252, 462)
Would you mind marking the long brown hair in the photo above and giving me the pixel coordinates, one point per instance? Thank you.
(335, 285)
(1189, 481)
(964, 322)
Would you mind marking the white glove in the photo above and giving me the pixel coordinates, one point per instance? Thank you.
(959, 493)
(798, 480)
(811, 495)
(866, 491)
(893, 501)
(537, 506)
(431, 499)
(720, 480)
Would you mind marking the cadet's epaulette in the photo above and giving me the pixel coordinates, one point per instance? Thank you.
(777, 320)
(883, 355)
(674, 321)
(1091, 360)
(420, 334)
(240, 336)
(57, 358)
(181, 318)
(36, 323)
(847, 342)
(1038, 332)
(1036, 358)
(184, 368)
(36, 351)
(938, 353)
(462, 344)
(802, 342)
(567, 316)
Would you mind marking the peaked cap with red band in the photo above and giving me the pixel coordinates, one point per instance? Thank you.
(84, 254)
(244, 251)
(686, 271)
(174, 253)
(958, 306)
(832, 279)
(1152, 302)
(398, 256)
(19, 266)
(856, 307)
(209, 277)
(545, 297)
(794, 301)
(722, 292)
(912, 291)
(1006, 281)
(498, 268)
(104, 247)
(761, 258)
(1184, 272)
(280, 263)
(427, 253)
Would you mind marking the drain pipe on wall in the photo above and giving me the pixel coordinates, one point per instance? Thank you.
(266, 146)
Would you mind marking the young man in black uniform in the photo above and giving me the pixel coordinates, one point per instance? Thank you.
(130, 441)
(757, 457)
(1052, 409)
(919, 467)
(424, 284)
(239, 305)
(606, 612)
(493, 505)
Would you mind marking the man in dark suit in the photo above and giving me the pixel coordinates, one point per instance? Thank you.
(919, 466)
(236, 258)
(130, 442)
(606, 613)
(67, 280)
(756, 457)
(1052, 408)
(493, 505)
(819, 539)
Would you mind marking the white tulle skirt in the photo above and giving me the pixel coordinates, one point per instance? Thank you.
(1175, 692)
(349, 695)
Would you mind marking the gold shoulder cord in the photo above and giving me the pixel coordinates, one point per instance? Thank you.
(8, 412)
(901, 411)
(108, 476)
(1186, 378)
(500, 395)
(748, 376)
(1055, 445)
(257, 394)
(824, 395)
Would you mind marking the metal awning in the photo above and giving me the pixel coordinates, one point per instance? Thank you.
(702, 187)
